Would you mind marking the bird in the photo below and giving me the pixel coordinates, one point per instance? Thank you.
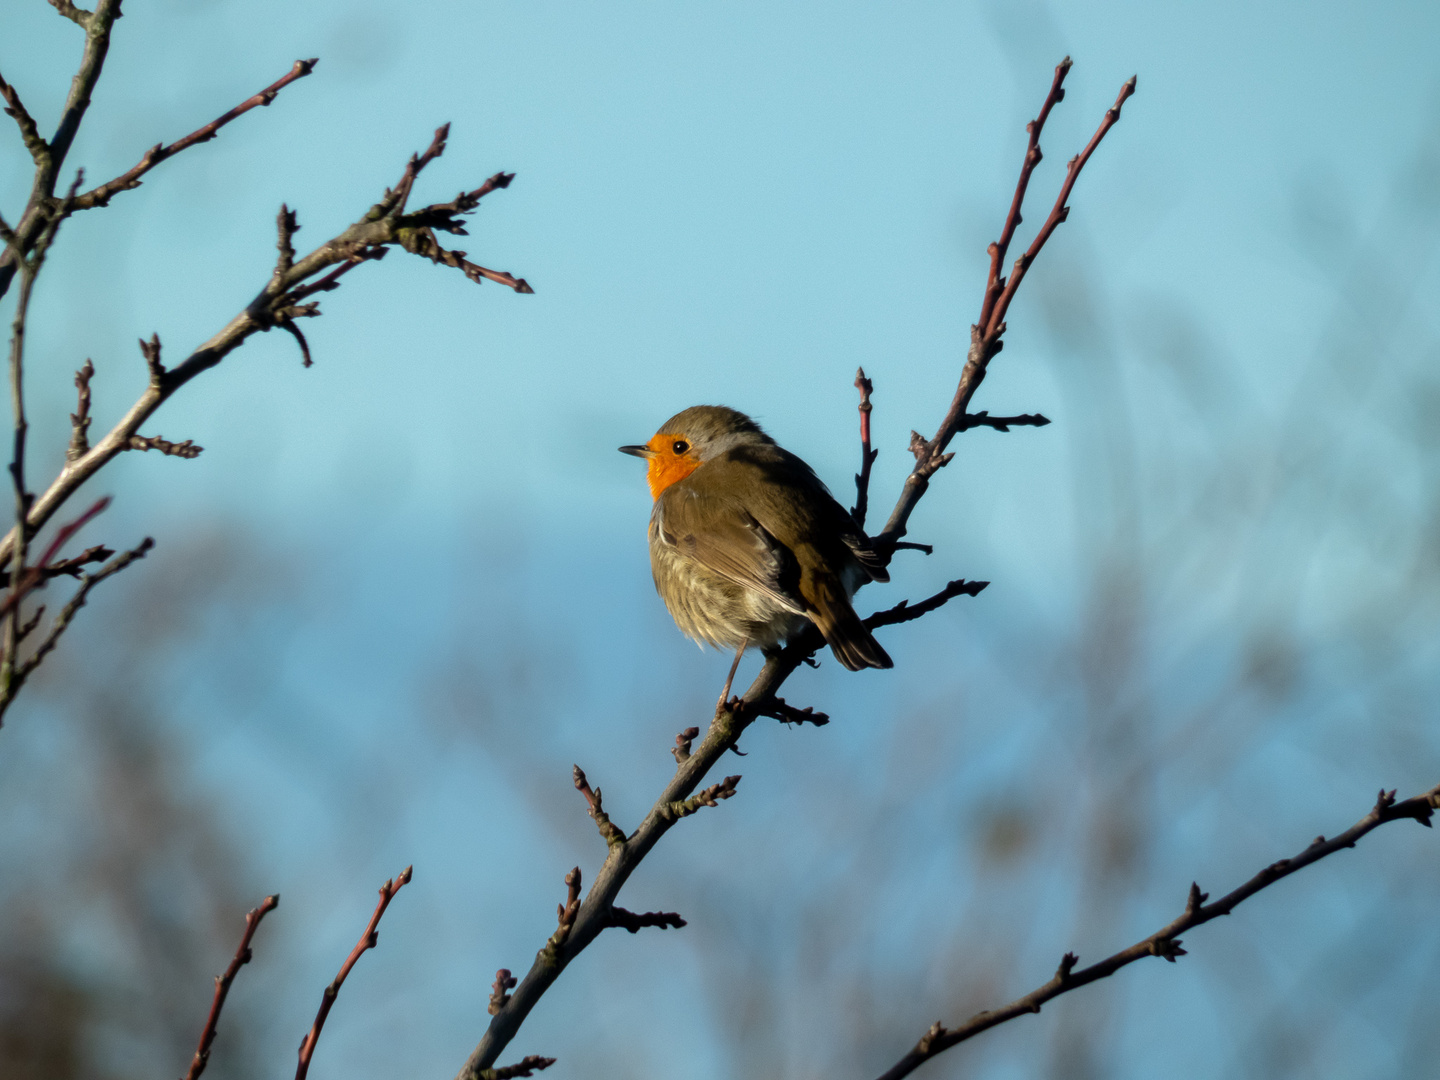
(748, 546)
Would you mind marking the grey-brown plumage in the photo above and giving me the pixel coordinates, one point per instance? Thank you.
(747, 544)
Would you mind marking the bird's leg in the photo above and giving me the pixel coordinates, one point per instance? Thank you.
(734, 667)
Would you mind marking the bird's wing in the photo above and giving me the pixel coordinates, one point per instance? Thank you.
(720, 535)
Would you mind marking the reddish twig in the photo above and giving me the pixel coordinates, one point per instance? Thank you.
(1033, 156)
(160, 152)
(31, 576)
(1165, 943)
(867, 455)
(987, 333)
(367, 941)
(222, 985)
(995, 325)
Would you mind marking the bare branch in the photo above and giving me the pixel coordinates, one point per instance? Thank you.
(1002, 423)
(186, 449)
(130, 179)
(367, 941)
(222, 985)
(75, 14)
(1032, 158)
(80, 418)
(609, 831)
(277, 304)
(42, 208)
(565, 920)
(72, 567)
(729, 722)
(867, 455)
(788, 714)
(904, 611)
(1165, 943)
(67, 615)
(527, 1067)
(629, 920)
(986, 335)
(711, 796)
(29, 133)
(286, 225)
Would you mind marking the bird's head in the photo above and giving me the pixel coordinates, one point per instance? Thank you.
(689, 439)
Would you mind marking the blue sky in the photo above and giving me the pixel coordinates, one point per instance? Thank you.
(734, 203)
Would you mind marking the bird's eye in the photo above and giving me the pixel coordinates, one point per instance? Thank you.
(680, 446)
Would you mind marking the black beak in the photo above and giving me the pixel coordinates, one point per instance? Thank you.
(637, 451)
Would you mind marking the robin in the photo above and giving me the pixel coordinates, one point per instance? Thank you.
(747, 544)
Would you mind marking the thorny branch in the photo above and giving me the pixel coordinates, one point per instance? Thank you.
(367, 941)
(222, 985)
(731, 719)
(1165, 942)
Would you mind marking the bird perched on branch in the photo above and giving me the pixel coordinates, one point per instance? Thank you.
(746, 543)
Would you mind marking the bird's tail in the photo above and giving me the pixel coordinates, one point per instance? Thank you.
(853, 645)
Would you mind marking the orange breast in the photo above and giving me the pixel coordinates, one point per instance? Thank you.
(666, 466)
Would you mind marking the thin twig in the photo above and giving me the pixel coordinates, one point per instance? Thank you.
(29, 133)
(222, 985)
(130, 179)
(905, 611)
(67, 615)
(75, 14)
(1165, 943)
(367, 941)
(80, 418)
(987, 333)
(186, 449)
(41, 208)
(867, 455)
(609, 831)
